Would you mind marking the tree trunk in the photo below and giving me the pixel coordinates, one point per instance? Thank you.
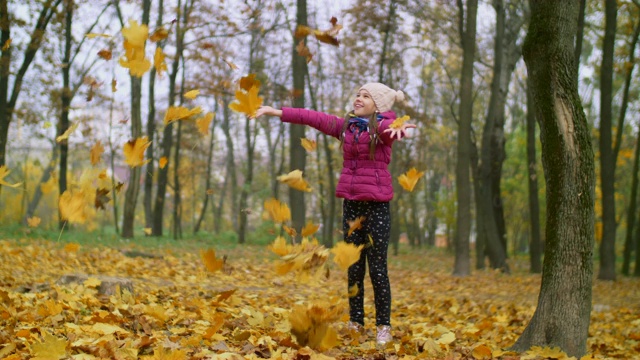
(151, 133)
(432, 203)
(46, 175)
(535, 244)
(564, 303)
(462, 265)
(607, 157)
(207, 186)
(297, 154)
(481, 234)
(579, 37)
(65, 102)
(231, 166)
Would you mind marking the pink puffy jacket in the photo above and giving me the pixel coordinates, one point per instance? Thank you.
(361, 178)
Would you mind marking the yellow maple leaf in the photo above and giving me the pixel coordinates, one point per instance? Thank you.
(136, 34)
(309, 229)
(345, 254)
(192, 94)
(96, 152)
(4, 172)
(162, 162)
(134, 151)
(72, 247)
(309, 145)
(544, 352)
(159, 62)
(294, 179)
(68, 132)
(203, 123)
(277, 211)
(247, 102)
(327, 36)
(289, 230)
(409, 179)
(355, 224)
(160, 353)
(311, 325)
(6, 45)
(92, 282)
(280, 246)
(33, 221)
(137, 67)
(95, 35)
(398, 122)
(210, 262)
(73, 206)
(180, 113)
(353, 290)
(51, 348)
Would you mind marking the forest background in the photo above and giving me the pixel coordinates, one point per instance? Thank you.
(63, 69)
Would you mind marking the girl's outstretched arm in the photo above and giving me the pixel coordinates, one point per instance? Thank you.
(268, 110)
(399, 133)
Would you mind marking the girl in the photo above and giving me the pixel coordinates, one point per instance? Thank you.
(365, 185)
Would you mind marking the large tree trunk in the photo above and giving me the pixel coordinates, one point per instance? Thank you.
(564, 303)
(631, 214)
(535, 244)
(297, 154)
(65, 102)
(151, 133)
(495, 249)
(133, 185)
(607, 157)
(462, 265)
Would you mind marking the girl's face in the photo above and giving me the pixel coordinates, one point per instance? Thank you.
(363, 105)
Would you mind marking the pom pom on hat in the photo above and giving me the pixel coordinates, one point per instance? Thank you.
(383, 96)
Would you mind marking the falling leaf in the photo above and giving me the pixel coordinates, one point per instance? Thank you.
(134, 58)
(72, 247)
(159, 62)
(134, 151)
(311, 325)
(278, 212)
(118, 187)
(398, 122)
(114, 85)
(231, 65)
(33, 221)
(101, 198)
(353, 290)
(309, 145)
(192, 94)
(289, 230)
(346, 254)
(4, 172)
(6, 45)
(247, 100)
(210, 262)
(147, 231)
(94, 35)
(159, 34)
(47, 124)
(409, 179)
(72, 206)
(304, 51)
(210, 192)
(248, 82)
(136, 34)
(163, 162)
(327, 36)
(65, 135)
(355, 224)
(96, 152)
(294, 180)
(51, 348)
(105, 54)
(309, 229)
(180, 113)
(280, 246)
(202, 123)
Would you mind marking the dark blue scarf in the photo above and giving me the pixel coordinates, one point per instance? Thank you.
(358, 125)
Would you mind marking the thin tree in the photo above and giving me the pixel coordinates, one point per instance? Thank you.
(467, 29)
(563, 312)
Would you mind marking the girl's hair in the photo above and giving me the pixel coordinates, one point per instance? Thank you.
(373, 131)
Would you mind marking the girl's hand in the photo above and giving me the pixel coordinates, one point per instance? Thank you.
(267, 110)
(401, 132)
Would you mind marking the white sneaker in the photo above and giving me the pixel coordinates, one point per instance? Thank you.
(383, 335)
(354, 326)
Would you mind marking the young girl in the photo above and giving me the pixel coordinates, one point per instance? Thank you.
(365, 185)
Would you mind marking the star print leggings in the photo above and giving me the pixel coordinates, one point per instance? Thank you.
(378, 225)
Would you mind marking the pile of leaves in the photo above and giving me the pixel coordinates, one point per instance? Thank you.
(235, 305)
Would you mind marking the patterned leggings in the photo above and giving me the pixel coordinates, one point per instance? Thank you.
(378, 225)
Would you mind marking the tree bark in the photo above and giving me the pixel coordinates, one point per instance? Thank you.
(563, 312)
(65, 102)
(607, 157)
(231, 167)
(579, 37)
(207, 186)
(535, 244)
(462, 265)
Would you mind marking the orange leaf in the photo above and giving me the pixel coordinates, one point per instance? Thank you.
(33, 221)
(162, 162)
(289, 230)
(105, 54)
(158, 62)
(96, 152)
(192, 94)
(101, 198)
(4, 172)
(355, 224)
(398, 122)
(136, 34)
(280, 246)
(304, 51)
(346, 254)
(277, 211)
(409, 179)
(203, 123)
(309, 229)
(249, 81)
(50, 348)
(66, 134)
(209, 258)
(72, 205)
(160, 34)
(180, 113)
(294, 180)
(482, 352)
(71, 247)
(247, 100)
(309, 145)
(134, 151)
(6, 45)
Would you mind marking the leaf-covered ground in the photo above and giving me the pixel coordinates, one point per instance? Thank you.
(180, 310)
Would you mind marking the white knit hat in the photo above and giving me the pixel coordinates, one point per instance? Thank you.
(382, 95)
